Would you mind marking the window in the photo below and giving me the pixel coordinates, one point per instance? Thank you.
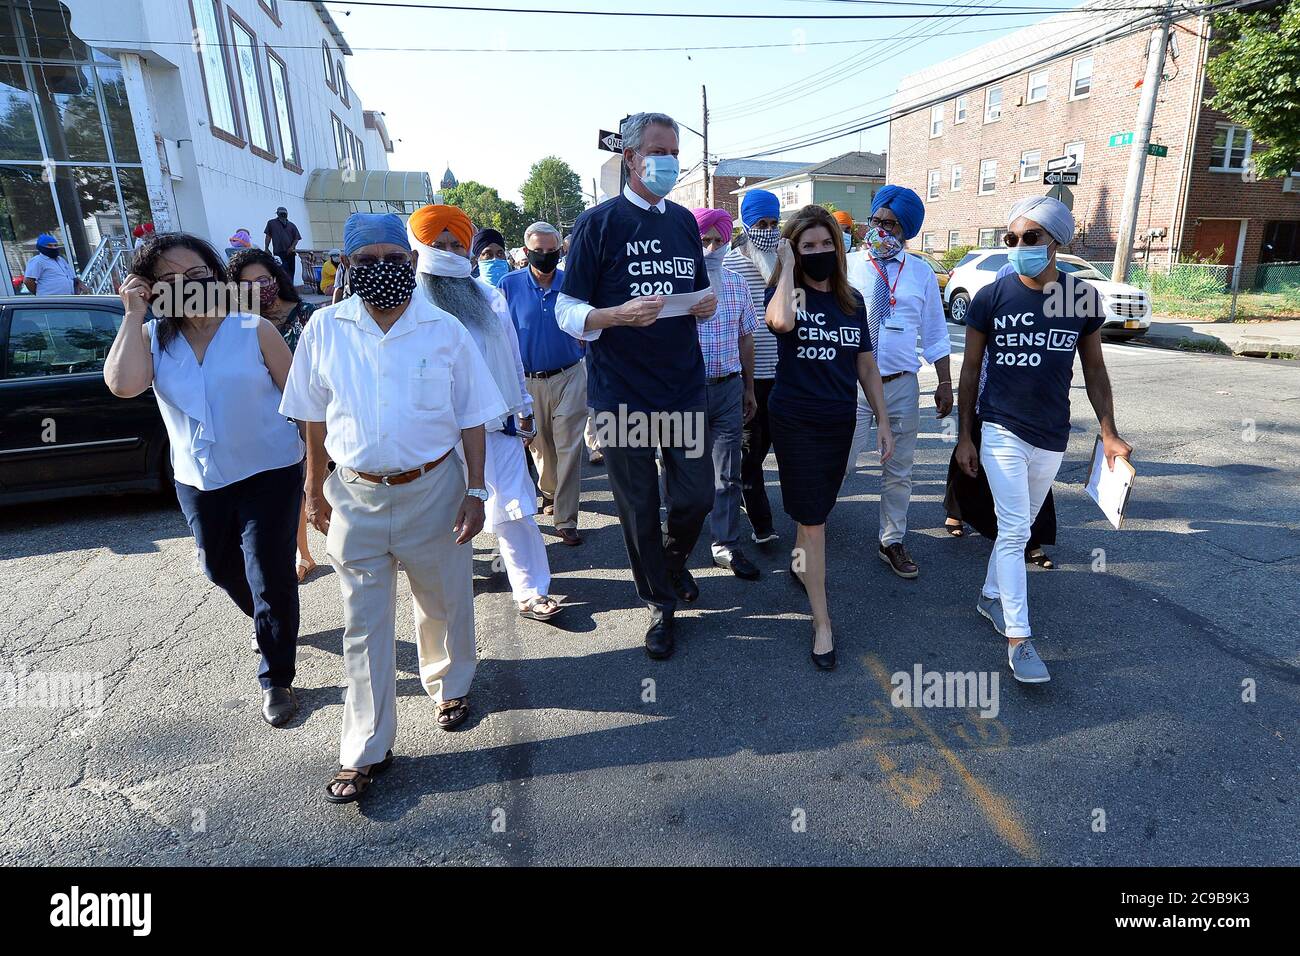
(956, 178)
(1081, 78)
(932, 190)
(283, 111)
(215, 69)
(1031, 166)
(1075, 150)
(994, 262)
(954, 239)
(342, 81)
(988, 176)
(993, 104)
(250, 87)
(962, 109)
(1231, 148)
(1037, 86)
(53, 341)
(927, 242)
(272, 7)
(936, 120)
(361, 154)
(340, 142)
(988, 238)
(329, 66)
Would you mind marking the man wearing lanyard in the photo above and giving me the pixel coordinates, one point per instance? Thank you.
(557, 377)
(902, 296)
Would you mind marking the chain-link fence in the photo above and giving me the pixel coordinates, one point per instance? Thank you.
(1205, 291)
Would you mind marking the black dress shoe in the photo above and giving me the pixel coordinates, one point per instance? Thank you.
(825, 661)
(279, 705)
(685, 586)
(739, 565)
(659, 638)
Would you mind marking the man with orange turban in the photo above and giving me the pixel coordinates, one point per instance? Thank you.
(846, 223)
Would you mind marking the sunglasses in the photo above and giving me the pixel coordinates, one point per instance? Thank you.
(1030, 237)
(891, 225)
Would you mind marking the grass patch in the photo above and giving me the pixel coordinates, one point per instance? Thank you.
(1217, 307)
(1212, 346)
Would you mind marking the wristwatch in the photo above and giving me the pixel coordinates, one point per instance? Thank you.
(480, 493)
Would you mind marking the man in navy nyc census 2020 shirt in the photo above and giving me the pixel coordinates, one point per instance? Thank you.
(625, 255)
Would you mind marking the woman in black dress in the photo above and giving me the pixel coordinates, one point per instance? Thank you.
(823, 353)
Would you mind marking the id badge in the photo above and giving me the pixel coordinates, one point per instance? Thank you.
(893, 323)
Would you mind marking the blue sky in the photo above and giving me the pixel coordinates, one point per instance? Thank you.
(492, 114)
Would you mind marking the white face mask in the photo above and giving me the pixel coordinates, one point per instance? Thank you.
(439, 262)
(714, 259)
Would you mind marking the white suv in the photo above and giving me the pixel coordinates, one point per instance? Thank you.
(1128, 310)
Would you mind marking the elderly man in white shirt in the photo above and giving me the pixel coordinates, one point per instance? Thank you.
(388, 386)
(903, 304)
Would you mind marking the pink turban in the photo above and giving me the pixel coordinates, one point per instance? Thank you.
(706, 219)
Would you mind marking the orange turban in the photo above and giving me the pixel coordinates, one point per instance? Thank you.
(428, 223)
(843, 218)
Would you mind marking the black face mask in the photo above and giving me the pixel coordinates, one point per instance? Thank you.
(818, 266)
(384, 285)
(47, 251)
(543, 262)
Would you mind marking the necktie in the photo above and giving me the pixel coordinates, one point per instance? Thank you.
(879, 305)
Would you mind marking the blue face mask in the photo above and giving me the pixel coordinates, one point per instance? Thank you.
(1028, 260)
(848, 242)
(493, 270)
(660, 174)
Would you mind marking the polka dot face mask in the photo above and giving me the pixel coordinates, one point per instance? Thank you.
(384, 284)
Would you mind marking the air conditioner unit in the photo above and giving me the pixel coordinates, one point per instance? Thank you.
(1020, 101)
(1291, 184)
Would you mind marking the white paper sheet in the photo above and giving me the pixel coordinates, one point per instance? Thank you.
(681, 302)
(1110, 487)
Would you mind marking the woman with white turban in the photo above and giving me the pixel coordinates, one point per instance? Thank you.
(1023, 331)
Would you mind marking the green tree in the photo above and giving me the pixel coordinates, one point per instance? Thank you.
(485, 208)
(1256, 77)
(553, 192)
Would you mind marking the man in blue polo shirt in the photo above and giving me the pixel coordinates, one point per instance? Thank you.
(647, 372)
(557, 378)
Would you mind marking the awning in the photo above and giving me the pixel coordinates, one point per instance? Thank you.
(374, 185)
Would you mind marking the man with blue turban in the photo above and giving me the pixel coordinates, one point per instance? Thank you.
(1024, 329)
(903, 308)
(753, 258)
(388, 386)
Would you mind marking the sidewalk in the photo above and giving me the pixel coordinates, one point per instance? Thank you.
(1275, 339)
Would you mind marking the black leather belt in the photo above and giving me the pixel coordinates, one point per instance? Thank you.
(720, 380)
(552, 373)
(890, 378)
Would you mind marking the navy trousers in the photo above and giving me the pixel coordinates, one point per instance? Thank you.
(246, 534)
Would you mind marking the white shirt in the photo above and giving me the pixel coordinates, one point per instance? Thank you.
(391, 402)
(918, 311)
(52, 276)
(570, 311)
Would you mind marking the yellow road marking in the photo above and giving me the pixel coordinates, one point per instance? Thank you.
(995, 808)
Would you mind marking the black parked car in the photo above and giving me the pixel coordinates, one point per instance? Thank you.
(62, 433)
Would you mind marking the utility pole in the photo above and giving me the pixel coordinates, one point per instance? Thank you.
(705, 91)
(1137, 161)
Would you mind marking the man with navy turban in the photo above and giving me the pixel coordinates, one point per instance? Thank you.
(903, 308)
(1025, 329)
(388, 387)
(753, 258)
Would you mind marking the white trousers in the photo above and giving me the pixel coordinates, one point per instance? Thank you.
(1020, 476)
(511, 504)
(374, 526)
(903, 401)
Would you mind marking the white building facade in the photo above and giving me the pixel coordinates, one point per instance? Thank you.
(195, 115)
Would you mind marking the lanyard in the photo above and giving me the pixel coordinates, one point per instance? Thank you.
(893, 299)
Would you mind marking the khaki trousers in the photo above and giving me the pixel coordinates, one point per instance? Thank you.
(560, 415)
(374, 526)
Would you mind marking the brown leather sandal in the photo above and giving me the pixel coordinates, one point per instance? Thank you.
(360, 781)
(450, 714)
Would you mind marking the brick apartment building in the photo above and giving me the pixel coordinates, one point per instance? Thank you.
(728, 176)
(985, 134)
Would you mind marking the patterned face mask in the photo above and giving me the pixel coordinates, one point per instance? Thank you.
(764, 240)
(384, 285)
(884, 245)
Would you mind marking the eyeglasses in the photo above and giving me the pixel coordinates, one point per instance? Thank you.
(1030, 237)
(392, 259)
(198, 273)
(891, 225)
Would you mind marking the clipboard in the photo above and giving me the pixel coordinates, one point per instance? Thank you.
(1110, 488)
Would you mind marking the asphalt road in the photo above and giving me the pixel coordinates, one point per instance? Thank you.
(1140, 751)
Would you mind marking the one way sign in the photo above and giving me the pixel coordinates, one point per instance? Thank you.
(610, 141)
(1061, 177)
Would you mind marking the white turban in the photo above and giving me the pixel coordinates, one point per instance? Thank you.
(1052, 214)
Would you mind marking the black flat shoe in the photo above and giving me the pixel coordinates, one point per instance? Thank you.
(278, 705)
(825, 662)
(685, 586)
(659, 638)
